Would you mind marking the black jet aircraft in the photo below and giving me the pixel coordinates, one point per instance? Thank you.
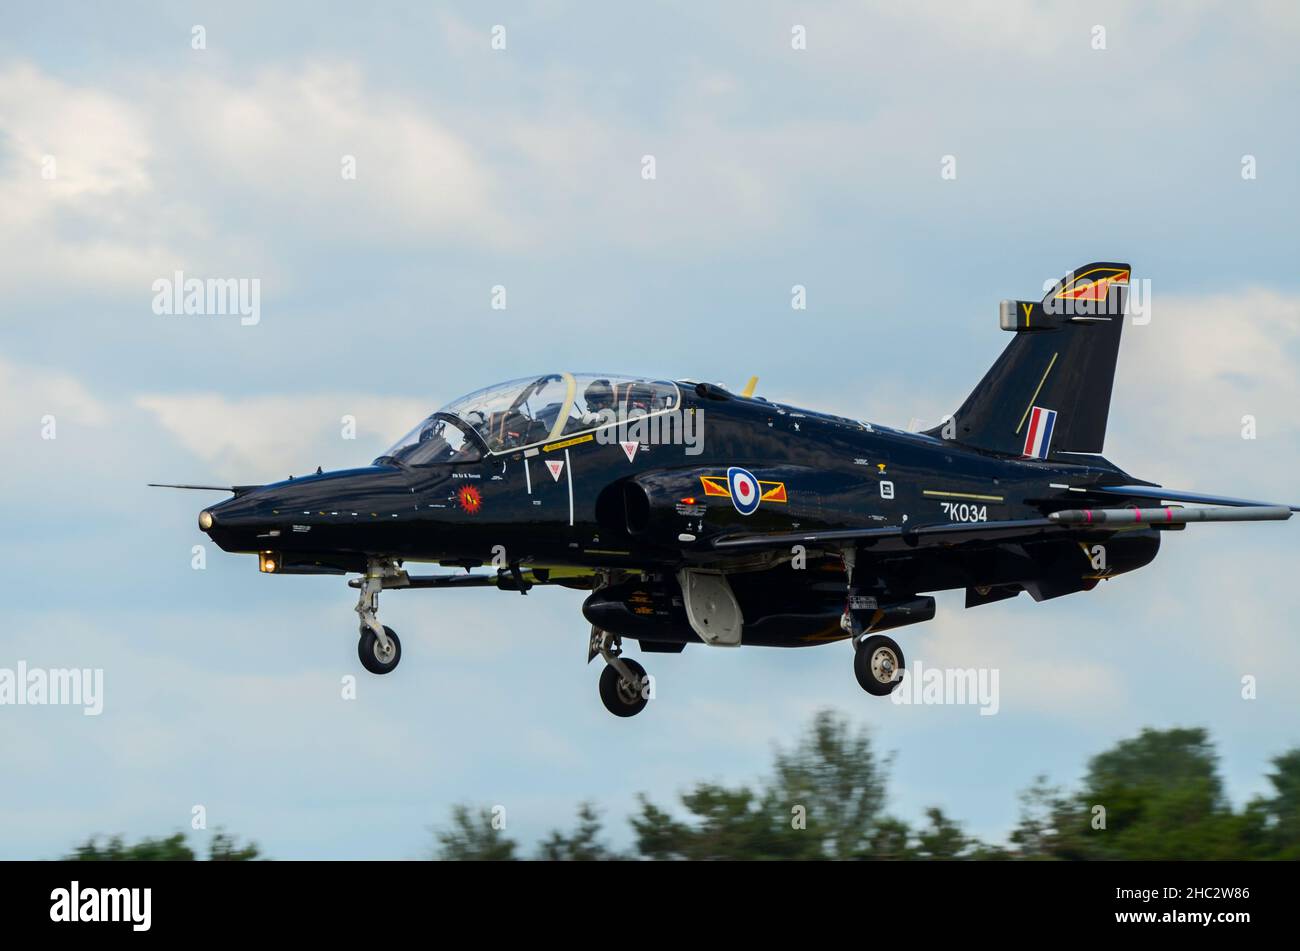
(696, 515)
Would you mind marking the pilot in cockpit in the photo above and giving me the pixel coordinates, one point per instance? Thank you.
(640, 400)
(601, 409)
(478, 421)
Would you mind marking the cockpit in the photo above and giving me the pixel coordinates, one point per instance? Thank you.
(529, 412)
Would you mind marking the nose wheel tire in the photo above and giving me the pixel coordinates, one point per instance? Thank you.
(878, 662)
(371, 651)
(622, 699)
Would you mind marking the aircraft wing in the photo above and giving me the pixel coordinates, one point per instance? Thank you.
(1160, 494)
(504, 580)
(954, 533)
(894, 536)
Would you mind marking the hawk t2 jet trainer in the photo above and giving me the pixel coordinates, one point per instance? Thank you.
(695, 515)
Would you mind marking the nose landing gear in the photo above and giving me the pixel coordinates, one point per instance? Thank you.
(379, 649)
(376, 656)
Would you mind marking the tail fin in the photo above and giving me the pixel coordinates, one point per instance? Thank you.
(1050, 390)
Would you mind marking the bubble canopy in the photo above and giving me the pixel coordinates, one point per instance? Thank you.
(528, 412)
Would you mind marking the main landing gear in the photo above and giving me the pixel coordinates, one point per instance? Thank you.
(378, 648)
(877, 660)
(878, 663)
(625, 688)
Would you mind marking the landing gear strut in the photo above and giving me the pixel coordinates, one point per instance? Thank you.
(877, 659)
(624, 685)
(379, 649)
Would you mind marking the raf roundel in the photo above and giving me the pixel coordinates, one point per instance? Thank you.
(744, 490)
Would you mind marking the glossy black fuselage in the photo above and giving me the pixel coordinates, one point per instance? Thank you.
(586, 501)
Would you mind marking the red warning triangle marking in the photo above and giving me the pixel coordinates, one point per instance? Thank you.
(556, 466)
(630, 449)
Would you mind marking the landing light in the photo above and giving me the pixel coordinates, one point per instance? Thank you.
(205, 520)
(268, 562)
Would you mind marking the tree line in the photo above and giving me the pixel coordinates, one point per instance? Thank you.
(1157, 796)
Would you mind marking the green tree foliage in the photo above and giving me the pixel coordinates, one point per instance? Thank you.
(170, 849)
(223, 848)
(943, 838)
(1158, 795)
(725, 824)
(1044, 812)
(1282, 809)
(1162, 799)
(890, 841)
(823, 800)
(582, 845)
(1272, 823)
(835, 774)
(474, 837)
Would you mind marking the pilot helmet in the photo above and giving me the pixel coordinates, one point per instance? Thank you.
(599, 395)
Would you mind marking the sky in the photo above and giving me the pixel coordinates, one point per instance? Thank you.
(128, 154)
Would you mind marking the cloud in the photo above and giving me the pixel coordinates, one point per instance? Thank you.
(264, 437)
(283, 137)
(42, 392)
(1233, 349)
(1060, 677)
(774, 167)
(97, 140)
(145, 177)
(1187, 379)
(74, 184)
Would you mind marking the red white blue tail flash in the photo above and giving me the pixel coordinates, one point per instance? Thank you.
(1038, 439)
